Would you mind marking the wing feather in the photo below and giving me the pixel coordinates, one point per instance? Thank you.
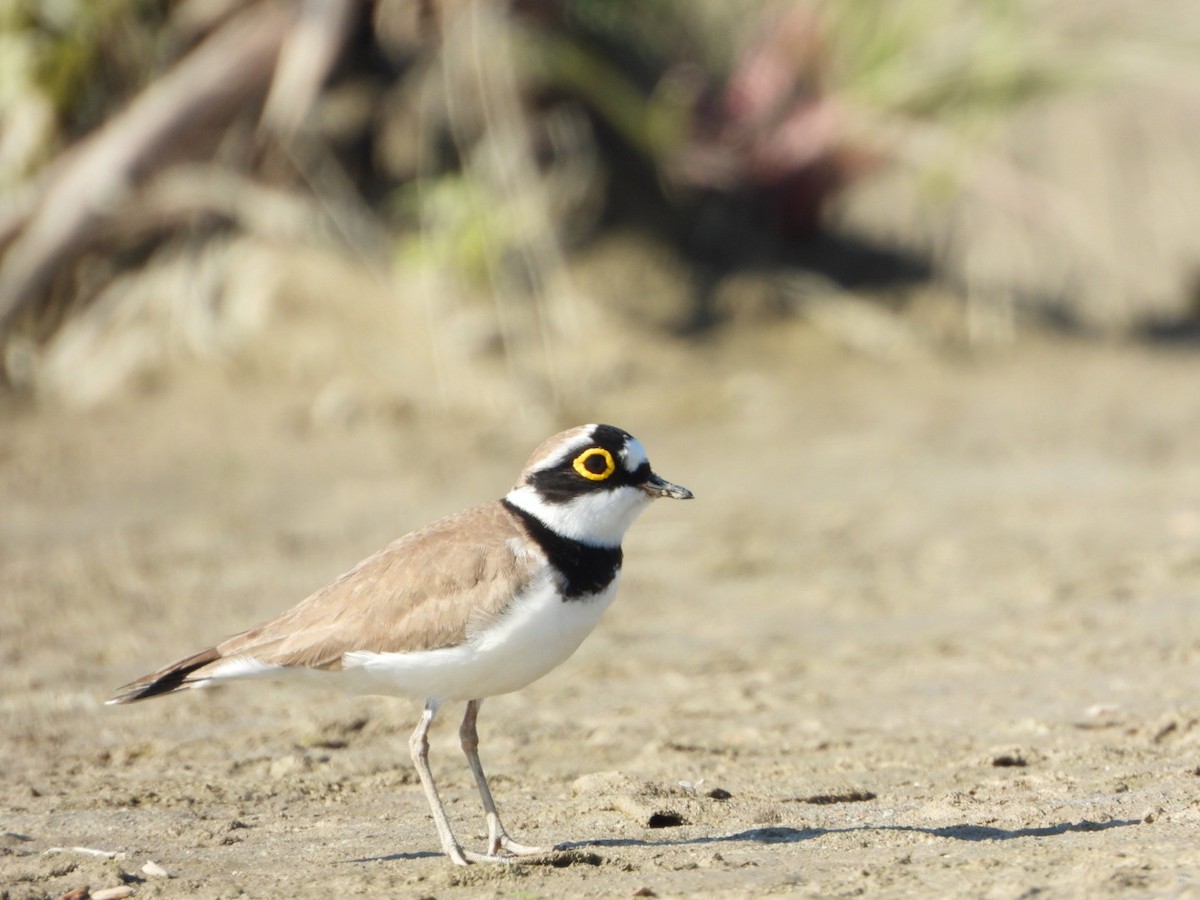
(430, 589)
(422, 592)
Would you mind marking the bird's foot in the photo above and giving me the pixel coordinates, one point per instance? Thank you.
(502, 843)
(458, 855)
(505, 850)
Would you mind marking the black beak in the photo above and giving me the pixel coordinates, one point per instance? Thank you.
(656, 486)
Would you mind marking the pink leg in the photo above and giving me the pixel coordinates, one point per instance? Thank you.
(418, 746)
(498, 839)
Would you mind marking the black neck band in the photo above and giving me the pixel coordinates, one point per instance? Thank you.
(586, 569)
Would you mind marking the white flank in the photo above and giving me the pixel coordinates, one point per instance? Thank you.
(536, 633)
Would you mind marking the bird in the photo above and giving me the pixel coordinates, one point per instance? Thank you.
(472, 606)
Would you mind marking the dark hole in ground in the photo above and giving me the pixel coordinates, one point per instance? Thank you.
(1006, 760)
(666, 819)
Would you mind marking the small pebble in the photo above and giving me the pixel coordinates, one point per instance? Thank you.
(113, 893)
(154, 870)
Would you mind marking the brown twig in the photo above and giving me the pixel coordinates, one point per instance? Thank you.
(181, 114)
(309, 52)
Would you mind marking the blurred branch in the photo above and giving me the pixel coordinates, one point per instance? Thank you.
(310, 49)
(181, 113)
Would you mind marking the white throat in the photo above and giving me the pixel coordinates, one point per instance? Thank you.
(599, 518)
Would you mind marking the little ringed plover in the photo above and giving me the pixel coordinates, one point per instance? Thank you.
(474, 605)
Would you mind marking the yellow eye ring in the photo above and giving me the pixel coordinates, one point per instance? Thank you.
(582, 459)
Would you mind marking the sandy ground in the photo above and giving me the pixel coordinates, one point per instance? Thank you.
(929, 629)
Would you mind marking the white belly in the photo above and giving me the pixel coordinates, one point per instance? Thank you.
(538, 632)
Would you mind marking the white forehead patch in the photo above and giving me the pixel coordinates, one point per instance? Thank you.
(557, 450)
(571, 449)
(633, 457)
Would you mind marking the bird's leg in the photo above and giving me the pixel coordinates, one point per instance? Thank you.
(418, 746)
(498, 838)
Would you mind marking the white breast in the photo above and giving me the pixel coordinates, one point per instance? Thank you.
(536, 633)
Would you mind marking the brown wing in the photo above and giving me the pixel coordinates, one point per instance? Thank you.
(421, 592)
(427, 590)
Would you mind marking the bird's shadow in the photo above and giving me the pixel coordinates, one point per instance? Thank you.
(392, 857)
(783, 835)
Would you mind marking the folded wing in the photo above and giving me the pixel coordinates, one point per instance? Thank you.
(425, 591)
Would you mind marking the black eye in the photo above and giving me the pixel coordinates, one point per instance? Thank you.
(594, 464)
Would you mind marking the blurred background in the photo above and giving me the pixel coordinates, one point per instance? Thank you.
(907, 291)
(480, 207)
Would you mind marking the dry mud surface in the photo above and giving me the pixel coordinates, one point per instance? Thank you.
(929, 629)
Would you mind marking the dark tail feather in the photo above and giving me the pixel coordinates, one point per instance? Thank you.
(166, 680)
